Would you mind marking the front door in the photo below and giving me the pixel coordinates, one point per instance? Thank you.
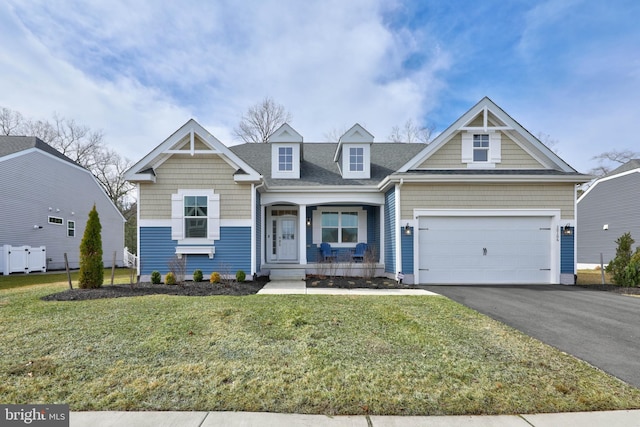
(284, 242)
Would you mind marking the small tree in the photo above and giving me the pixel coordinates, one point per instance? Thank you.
(91, 266)
(618, 265)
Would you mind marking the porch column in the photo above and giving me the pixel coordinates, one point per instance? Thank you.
(302, 234)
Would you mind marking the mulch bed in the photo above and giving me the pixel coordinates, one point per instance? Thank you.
(189, 289)
(356, 282)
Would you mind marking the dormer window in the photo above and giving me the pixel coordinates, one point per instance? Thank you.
(356, 159)
(285, 159)
(480, 148)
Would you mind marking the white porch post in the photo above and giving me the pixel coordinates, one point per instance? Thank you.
(302, 234)
(397, 231)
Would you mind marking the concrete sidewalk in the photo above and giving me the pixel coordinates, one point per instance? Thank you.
(299, 287)
(265, 419)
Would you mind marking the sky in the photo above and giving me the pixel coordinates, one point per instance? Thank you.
(139, 69)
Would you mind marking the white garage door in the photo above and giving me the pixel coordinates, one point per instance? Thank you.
(485, 249)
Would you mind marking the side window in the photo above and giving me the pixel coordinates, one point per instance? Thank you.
(71, 229)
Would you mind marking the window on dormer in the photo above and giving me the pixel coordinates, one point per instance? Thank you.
(285, 158)
(481, 148)
(356, 159)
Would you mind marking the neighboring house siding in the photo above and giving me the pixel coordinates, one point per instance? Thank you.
(34, 182)
(157, 249)
(450, 156)
(615, 202)
(197, 172)
(567, 265)
(407, 251)
(488, 196)
(389, 231)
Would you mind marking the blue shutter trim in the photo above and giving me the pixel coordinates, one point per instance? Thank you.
(567, 247)
(389, 231)
(407, 251)
(157, 248)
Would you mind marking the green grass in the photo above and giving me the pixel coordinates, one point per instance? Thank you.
(286, 353)
(18, 280)
(592, 277)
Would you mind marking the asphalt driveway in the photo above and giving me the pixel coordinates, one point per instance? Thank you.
(602, 328)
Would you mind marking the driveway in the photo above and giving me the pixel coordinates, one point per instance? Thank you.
(602, 328)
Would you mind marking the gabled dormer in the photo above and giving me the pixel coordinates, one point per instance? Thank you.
(286, 153)
(353, 153)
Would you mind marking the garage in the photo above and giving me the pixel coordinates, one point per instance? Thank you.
(489, 248)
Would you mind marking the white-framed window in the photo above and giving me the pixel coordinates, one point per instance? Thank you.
(195, 216)
(71, 229)
(481, 147)
(340, 226)
(55, 220)
(356, 159)
(285, 158)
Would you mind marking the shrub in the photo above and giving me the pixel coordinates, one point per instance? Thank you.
(170, 279)
(618, 265)
(91, 266)
(240, 276)
(197, 276)
(156, 278)
(632, 272)
(215, 277)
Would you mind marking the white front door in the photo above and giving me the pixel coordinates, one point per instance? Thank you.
(284, 240)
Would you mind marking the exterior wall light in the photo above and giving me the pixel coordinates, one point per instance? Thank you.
(308, 222)
(407, 230)
(567, 230)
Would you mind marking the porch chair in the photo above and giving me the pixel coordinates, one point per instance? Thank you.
(358, 255)
(326, 252)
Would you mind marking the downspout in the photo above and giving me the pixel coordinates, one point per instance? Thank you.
(398, 233)
(254, 189)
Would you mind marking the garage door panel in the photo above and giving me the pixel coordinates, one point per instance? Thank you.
(484, 249)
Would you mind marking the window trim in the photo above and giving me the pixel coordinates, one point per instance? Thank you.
(354, 164)
(186, 217)
(55, 220)
(483, 138)
(362, 225)
(288, 159)
(178, 217)
(71, 228)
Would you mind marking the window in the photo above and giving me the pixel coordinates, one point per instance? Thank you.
(340, 227)
(71, 229)
(56, 220)
(195, 216)
(481, 148)
(356, 159)
(285, 158)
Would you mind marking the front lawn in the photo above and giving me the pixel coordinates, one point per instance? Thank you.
(285, 353)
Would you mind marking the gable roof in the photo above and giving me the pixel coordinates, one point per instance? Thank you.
(15, 144)
(318, 168)
(144, 169)
(632, 166)
(494, 118)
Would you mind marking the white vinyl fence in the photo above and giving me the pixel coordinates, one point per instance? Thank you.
(22, 259)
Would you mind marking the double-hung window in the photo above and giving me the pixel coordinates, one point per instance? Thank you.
(285, 158)
(195, 216)
(340, 227)
(71, 229)
(481, 148)
(356, 159)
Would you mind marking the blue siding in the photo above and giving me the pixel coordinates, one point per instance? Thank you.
(389, 231)
(407, 251)
(567, 247)
(232, 254)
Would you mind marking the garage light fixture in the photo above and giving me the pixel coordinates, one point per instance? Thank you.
(567, 230)
(407, 230)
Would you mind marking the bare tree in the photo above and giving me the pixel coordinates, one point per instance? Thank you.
(11, 122)
(261, 120)
(412, 133)
(547, 140)
(609, 160)
(334, 134)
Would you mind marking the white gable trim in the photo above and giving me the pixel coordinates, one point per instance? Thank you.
(356, 134)
(607, 178)
(285, 133)
(484, 107)
(168, 147)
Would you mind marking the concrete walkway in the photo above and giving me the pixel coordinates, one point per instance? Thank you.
(299, 287)
(262, 419)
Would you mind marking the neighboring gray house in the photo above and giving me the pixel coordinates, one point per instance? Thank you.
(607, 210)
(46, 199)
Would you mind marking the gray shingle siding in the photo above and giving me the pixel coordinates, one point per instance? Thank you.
(615, 202)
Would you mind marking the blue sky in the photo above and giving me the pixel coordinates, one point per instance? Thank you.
(138, 70)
